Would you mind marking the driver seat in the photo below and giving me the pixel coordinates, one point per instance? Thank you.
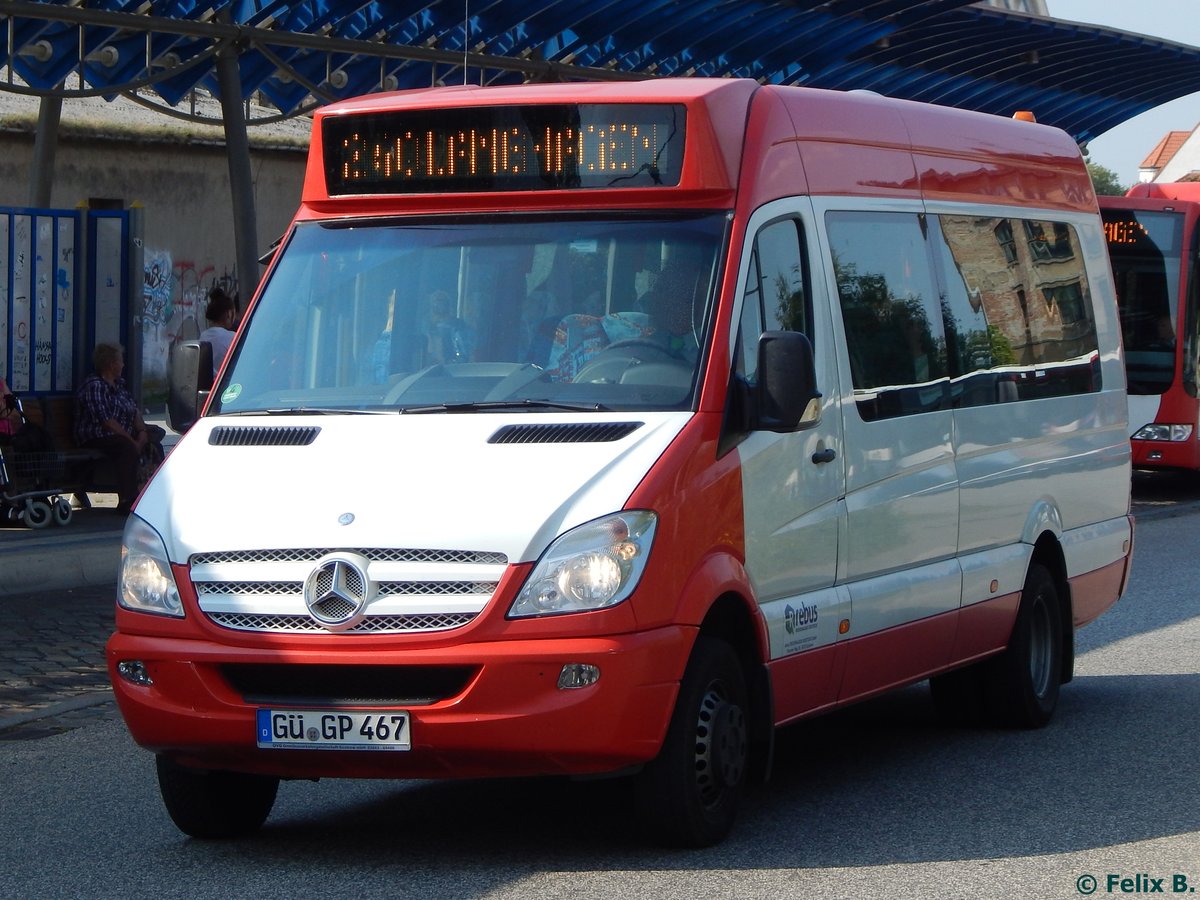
(671, 302)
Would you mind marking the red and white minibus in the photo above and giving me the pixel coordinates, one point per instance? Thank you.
(600, 429)
(1153, 243)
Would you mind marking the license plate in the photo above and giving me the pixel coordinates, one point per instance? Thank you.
(318, 729)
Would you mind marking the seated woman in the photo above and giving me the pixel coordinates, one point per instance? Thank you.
(107, 419)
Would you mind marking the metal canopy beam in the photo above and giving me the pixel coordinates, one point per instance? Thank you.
(301, 53)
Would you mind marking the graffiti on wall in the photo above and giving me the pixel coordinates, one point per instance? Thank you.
(174, 297)
(156, 287)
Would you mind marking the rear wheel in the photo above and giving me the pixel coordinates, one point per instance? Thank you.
(958, 696)
(1022, 683)
(689, 795)
(1019, 688)
(215, 804)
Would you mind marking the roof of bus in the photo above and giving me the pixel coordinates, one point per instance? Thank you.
(930, 125)
(662, 90)
(950, 147)
(1166, 190)
(1178, 196)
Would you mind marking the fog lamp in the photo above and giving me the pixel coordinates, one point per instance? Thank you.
(134, 671)
(577, 675)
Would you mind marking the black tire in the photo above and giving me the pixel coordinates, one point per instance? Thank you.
(689, 795)
(1022, 683)
(215, 804)
(958, 697)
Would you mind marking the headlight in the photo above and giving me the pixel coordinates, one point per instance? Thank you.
(1163, 433)
(145, 583)
(594, 566)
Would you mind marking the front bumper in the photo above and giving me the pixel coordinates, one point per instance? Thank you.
(511, 718)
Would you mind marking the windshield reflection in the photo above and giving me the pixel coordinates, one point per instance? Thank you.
(516, 312)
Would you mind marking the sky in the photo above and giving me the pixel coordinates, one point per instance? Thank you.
(1123, 148)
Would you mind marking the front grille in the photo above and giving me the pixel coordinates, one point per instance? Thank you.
(279, 624)
(386, 554)
(387, 589)
(416, 591)
(327, 685)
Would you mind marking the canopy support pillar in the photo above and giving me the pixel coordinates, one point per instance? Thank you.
(241, 179)
(45, 146)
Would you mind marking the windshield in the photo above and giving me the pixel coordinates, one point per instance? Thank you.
(1144, 249)
(497, 312)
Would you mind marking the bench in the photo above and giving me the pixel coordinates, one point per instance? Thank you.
(86, 470)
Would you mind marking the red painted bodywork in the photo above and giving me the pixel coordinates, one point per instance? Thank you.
(1176, 405)
(747, 145)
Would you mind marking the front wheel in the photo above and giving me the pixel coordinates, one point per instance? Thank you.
(689, 795)
(215, 804)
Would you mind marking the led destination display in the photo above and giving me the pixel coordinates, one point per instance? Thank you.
(505, 148)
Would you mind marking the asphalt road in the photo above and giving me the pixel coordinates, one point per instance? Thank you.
(880, 801)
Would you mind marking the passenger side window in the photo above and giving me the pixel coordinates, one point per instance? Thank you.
(891, 312)
(1018, 313)
(777, 298)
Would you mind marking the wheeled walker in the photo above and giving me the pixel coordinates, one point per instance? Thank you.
(29, 494)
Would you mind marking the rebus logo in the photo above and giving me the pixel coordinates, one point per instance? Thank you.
(800, 619)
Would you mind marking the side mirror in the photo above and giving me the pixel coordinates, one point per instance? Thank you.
(189, 379)
(786, 394)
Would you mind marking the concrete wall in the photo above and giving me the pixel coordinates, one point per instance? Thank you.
(183, 185)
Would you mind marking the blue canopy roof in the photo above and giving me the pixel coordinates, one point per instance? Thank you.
(1082, 78)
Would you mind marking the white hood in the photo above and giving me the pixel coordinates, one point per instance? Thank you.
(428, 481)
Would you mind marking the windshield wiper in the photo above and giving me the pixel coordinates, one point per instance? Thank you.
(484, 405)
(304, 411)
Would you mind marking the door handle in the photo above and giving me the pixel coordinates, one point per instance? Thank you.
(824, 456)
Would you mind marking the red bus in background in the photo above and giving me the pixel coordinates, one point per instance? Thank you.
(1152, 243)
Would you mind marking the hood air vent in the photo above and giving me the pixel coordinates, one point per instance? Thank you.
(582, 433)
(256, 436)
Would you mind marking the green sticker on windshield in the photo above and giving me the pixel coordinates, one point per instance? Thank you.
(231, 393)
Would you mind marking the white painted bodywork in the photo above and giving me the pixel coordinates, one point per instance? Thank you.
(923, 514)
(414, 481)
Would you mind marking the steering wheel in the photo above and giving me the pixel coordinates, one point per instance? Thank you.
(608, 366)
(395, 391)
(642, 344)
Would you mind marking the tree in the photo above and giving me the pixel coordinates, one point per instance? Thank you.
(1105, 180)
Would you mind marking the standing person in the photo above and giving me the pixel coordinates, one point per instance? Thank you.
(107, 419)
(220, 314)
